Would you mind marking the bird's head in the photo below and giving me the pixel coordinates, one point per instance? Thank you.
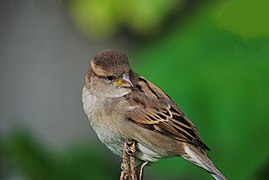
(109, 74)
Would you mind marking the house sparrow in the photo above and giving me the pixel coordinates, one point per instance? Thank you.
(121, 104)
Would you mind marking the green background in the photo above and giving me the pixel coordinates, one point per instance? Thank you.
(212, 58)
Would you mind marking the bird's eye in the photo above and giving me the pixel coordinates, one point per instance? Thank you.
(109, 78)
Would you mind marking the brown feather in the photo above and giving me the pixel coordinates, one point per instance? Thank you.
(110, 62)
(151, 106)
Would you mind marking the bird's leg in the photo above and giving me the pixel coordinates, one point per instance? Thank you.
(140, 169)
(128, 161)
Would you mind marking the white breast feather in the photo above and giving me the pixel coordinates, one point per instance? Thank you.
(92, 107)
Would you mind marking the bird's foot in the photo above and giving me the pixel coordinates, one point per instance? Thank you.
(130, 147)
(140, 170)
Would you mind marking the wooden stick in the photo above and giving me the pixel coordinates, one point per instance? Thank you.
(128, 161)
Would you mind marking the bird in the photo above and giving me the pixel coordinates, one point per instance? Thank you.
(120, 104)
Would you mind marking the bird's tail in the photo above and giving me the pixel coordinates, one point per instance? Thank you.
(199, 158)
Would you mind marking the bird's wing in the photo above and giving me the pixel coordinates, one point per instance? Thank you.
(151, 108)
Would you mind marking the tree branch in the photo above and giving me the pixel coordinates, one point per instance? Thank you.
(128, 161)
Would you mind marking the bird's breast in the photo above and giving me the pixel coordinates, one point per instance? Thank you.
(105, 118)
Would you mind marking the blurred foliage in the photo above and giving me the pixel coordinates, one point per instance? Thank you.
(215, 65)
(21, 153)
(104, 18)
(244, 17)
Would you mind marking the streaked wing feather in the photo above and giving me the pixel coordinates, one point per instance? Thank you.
(153, 109)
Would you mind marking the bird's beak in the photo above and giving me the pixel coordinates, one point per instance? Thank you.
(124, 81)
